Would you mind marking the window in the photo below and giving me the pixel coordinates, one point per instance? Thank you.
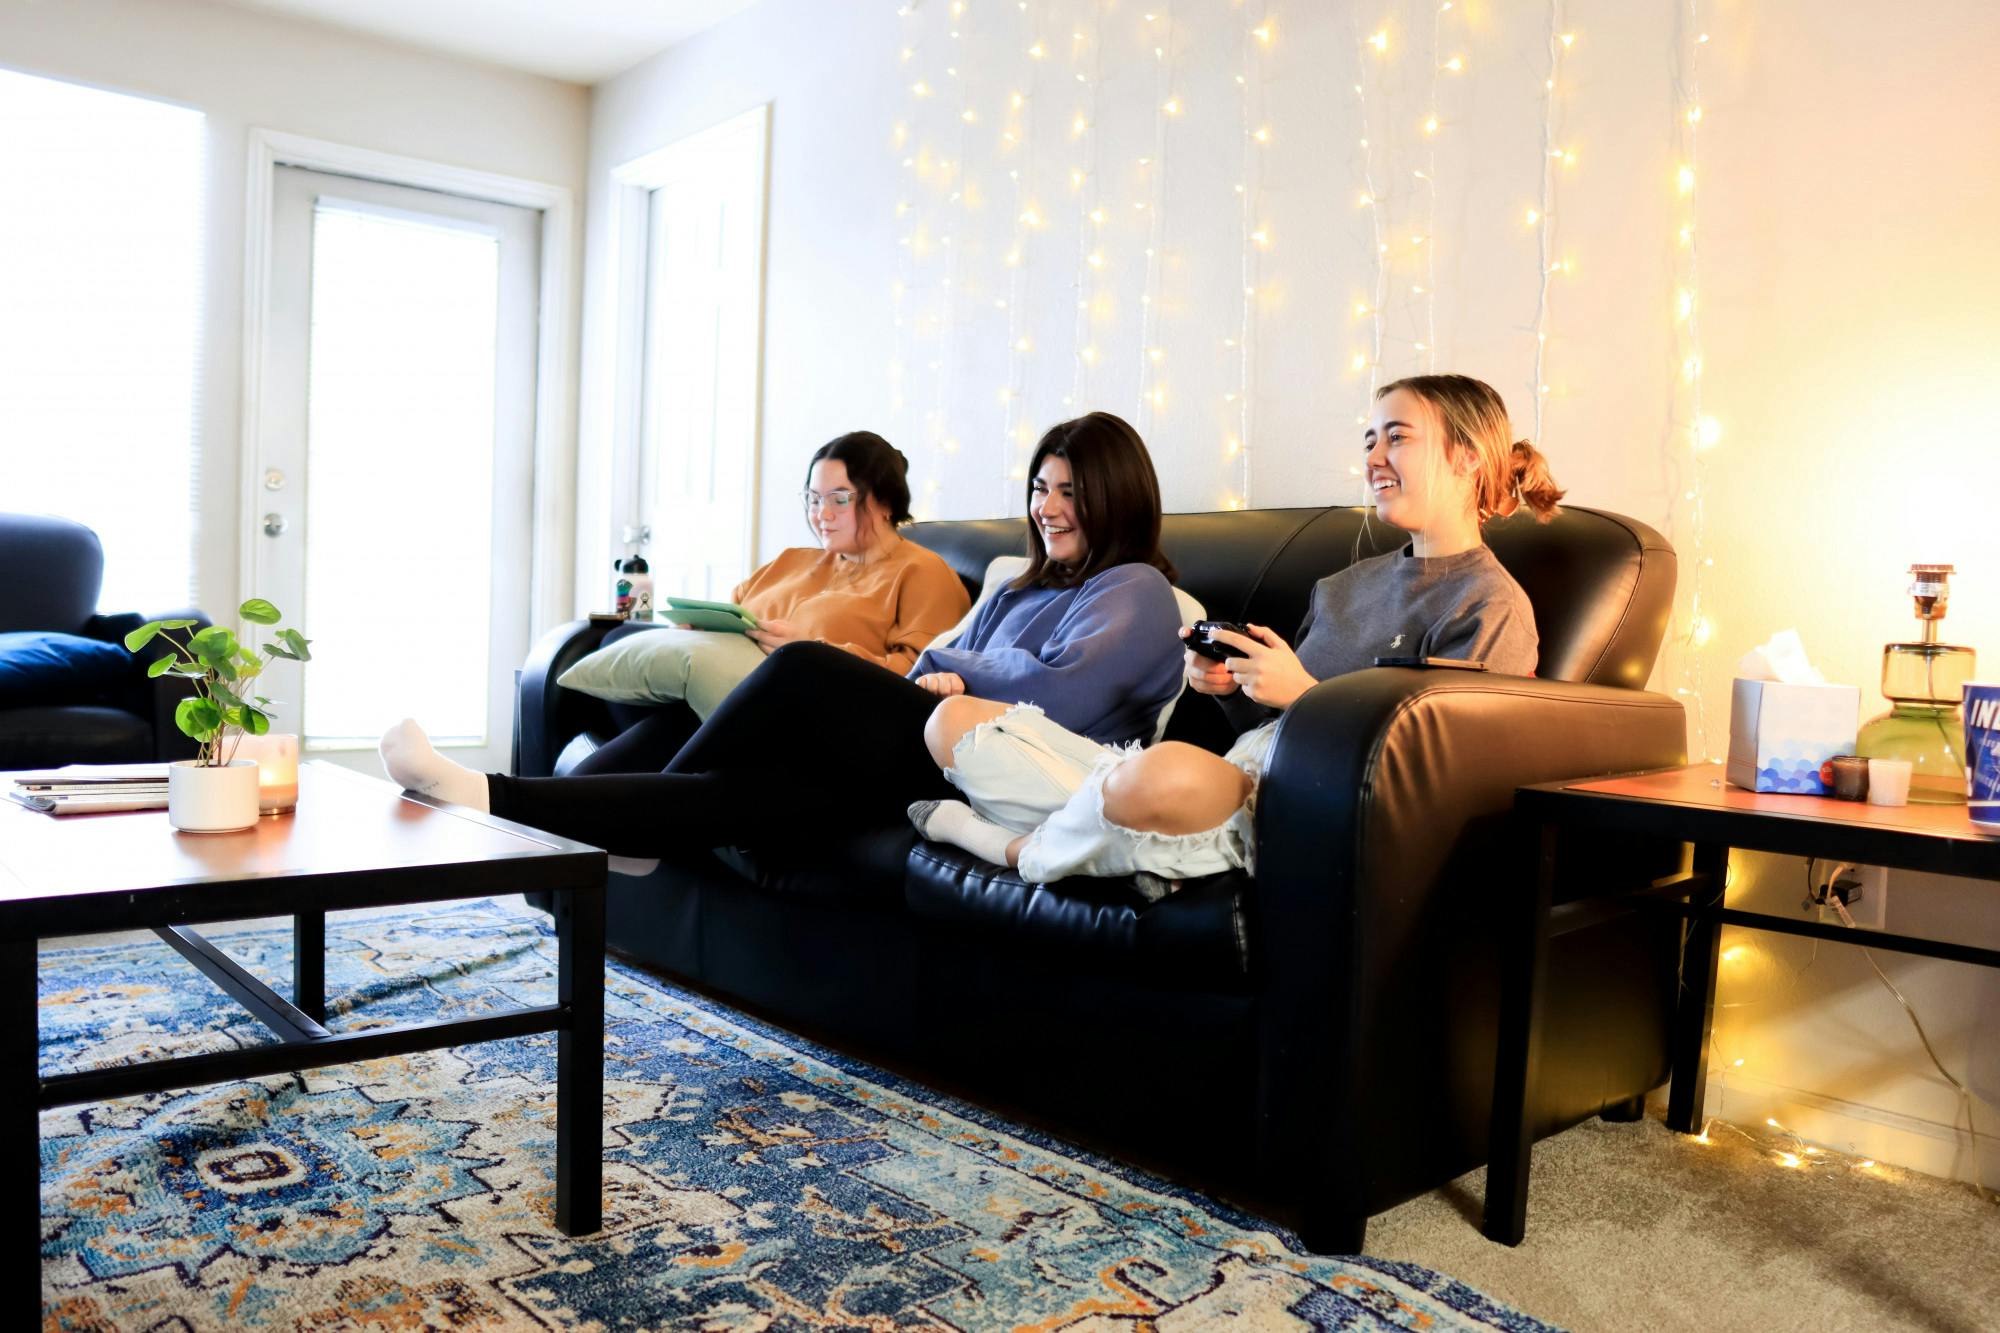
(100, 325)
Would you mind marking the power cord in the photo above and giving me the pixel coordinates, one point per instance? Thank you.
(1825, 895)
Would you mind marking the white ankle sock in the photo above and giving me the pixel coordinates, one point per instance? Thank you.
(410, 761)
(955, 823)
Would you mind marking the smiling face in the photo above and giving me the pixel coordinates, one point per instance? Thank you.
(1052, 509)
(1412, 477)
(842, 529)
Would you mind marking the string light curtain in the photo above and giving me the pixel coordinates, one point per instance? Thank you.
(1701, 431)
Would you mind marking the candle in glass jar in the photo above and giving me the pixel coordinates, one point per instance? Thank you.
(277, 770)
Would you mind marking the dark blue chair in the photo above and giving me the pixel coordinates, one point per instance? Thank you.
(55, 568)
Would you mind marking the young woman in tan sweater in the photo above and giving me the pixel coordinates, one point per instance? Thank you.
(863, 589)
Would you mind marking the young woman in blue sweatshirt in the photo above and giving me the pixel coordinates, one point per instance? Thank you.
(817, 741)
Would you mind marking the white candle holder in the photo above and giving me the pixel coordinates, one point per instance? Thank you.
(277, 759)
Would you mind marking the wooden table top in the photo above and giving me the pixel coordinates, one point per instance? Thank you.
(1697, 802)
(346, 825)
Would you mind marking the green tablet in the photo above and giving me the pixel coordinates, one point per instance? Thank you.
(722, 617)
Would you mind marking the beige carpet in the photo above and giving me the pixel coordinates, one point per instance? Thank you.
(1636, 1227)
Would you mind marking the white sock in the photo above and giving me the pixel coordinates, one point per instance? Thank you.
(411, 762)
(954, 822)
(632, 865)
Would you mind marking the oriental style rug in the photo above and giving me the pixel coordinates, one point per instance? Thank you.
(752, 1181)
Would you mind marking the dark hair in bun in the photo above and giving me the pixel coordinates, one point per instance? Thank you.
(875, 468)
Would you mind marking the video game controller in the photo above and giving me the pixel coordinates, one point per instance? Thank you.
(1201, 640)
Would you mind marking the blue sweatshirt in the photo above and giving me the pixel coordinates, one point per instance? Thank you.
(1102, 658)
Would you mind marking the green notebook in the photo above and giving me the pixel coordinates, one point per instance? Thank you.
(722, 617)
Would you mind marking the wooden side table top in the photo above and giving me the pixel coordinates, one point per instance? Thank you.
(351, 837)
(1696, 803)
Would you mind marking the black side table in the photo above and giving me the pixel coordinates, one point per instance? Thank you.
(1696, 805)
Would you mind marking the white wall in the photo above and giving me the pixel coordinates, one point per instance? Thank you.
(1846, 293)
(245, 70)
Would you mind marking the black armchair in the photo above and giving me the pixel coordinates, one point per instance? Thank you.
(58, 568)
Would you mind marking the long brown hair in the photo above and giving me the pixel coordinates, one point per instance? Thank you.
(1505, 475)
(1117, 496)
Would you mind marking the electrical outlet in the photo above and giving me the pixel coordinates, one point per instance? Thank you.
(1865, 889)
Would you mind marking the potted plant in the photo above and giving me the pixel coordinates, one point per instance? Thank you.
(216, 792)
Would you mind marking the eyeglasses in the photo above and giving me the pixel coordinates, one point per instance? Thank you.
(838, 499)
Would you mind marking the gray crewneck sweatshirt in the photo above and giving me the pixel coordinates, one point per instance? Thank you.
(1464, 606)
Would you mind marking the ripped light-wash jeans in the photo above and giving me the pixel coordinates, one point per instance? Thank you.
(1030, 775)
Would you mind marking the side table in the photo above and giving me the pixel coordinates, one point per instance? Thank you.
(1695, 805)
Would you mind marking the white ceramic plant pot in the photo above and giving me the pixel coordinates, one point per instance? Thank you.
(205, 799)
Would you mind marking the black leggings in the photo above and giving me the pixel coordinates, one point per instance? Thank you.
(816, 742)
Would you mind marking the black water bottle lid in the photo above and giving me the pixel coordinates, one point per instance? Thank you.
(635, 565)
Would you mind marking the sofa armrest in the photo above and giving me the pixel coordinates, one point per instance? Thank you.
(1386, 853)
(546, 715)
(155, 699)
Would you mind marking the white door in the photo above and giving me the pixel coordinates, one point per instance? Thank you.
(699, 383)
(396, 461)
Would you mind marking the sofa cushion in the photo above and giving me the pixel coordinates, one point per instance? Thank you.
(44, 667)
(1194, 938)
(78, 734)
(653, 664)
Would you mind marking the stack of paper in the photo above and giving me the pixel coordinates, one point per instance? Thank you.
(82, 789)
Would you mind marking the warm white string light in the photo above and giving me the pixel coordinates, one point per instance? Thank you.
(1160, 41)
(1541, 218)
(1017, 141)
(1702, 432)
(1431, 128)
(953, 181)
(1083, 180)
(1256, 234)
(905, 141)
(1367, 50)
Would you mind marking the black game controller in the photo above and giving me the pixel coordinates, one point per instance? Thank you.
(1201, 640)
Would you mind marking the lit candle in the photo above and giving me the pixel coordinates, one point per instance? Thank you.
(277, 770)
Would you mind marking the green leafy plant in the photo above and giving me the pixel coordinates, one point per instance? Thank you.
(222, 670)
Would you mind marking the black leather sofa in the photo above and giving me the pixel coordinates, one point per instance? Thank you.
(1321, 1037)
(57, 569)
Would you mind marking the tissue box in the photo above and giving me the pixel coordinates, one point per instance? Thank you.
(1780, 734)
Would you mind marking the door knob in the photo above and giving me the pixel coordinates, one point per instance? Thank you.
(275, 524)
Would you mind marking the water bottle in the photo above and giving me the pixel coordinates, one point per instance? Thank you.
(634, 588)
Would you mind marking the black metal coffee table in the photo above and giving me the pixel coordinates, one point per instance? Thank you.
(354, 842)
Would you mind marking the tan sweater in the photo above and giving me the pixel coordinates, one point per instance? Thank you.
(887, 610)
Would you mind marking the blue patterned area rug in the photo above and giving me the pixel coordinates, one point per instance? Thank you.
(752, 1181)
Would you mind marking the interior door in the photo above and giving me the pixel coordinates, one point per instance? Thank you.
(396, 461)
(700, 386)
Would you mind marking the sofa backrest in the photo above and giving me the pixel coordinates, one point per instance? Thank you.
(58, 567)
(1602, 585)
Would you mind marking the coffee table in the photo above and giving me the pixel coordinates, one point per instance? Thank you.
(354, 842)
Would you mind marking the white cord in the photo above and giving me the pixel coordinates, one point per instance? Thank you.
(1965, 1094)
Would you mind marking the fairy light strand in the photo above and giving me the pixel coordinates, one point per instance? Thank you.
(1431, 130)
(1021, 126)
(1544, 223)
(1084, 181)
(906, 212)
(943, 443)
(1702, 433)
(1160, 40)
(1256, 238)
(1366, 50)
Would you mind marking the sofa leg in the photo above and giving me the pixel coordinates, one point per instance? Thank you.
(1324, 1233)
(1625, 1112)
